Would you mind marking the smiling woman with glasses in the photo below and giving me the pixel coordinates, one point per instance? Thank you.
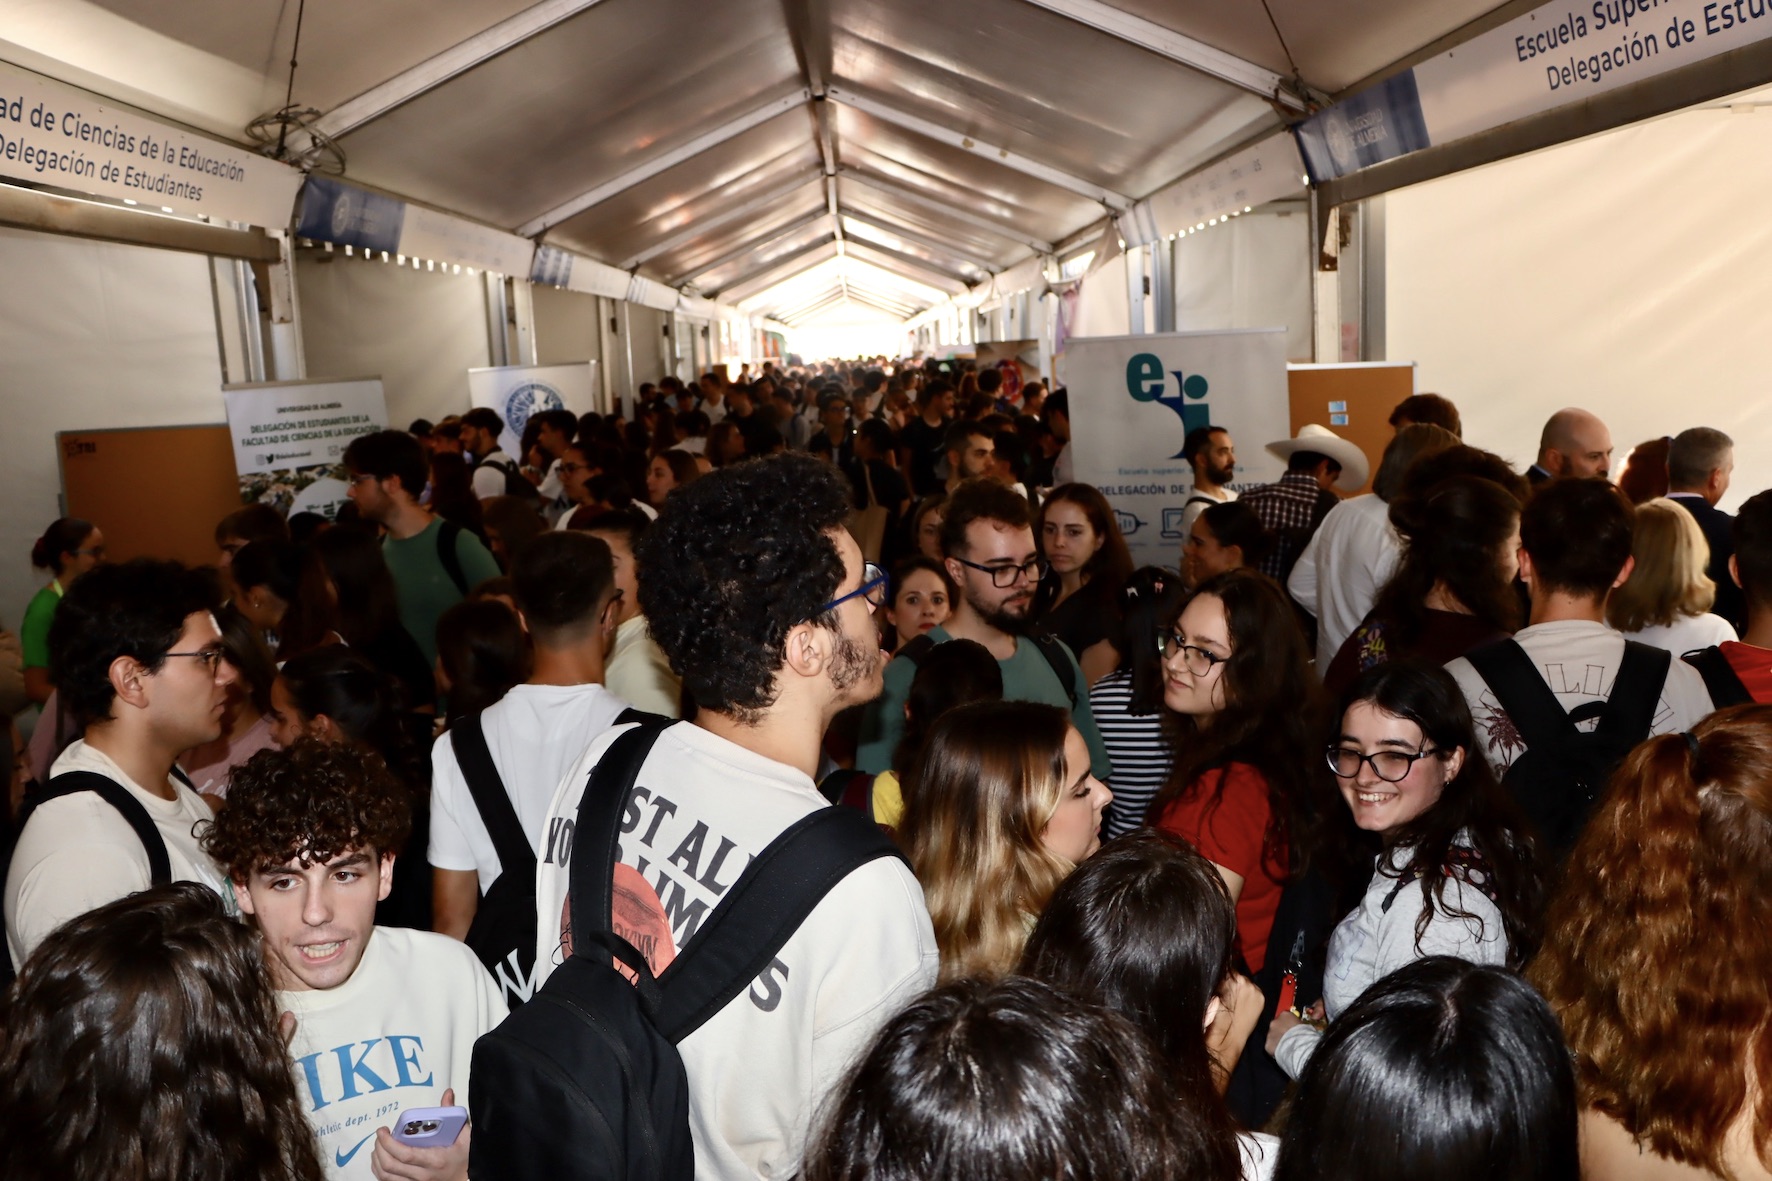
(1454, 871)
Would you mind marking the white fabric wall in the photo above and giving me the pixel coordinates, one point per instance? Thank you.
(1251, 273)
(419, 331)
(1625, 273)
(568, 328)
(91, 335)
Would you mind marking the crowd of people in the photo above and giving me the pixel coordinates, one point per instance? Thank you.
(797, 778)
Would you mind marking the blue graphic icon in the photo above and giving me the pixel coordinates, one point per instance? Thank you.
(1147, 382)
(1129, 524)
(1172, 522)
(528, 400)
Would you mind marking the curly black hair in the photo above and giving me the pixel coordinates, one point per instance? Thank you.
(312, 801)
(735, 561)
(135, 609)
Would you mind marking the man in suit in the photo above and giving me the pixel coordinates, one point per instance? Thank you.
(1575, 443)
(1699, 463)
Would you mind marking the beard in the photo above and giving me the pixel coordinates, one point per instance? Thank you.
(1220, 475)
(855, 667)
(1009, 616)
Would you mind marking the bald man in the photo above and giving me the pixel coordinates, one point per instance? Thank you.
(1574, 444)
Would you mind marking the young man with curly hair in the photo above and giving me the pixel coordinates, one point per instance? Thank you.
(758, 595)
(137, 659)
(385, 1017)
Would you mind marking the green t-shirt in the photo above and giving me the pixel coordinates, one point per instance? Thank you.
(34, 631)
(1026, 677)
(424, 587)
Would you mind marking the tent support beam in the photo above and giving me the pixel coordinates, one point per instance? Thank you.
(27, 209)
(917, 196)
(1118, 202)
(377, 101)
(658, 164)
(751, 247)
(915, 239)
(909, 267)
(700, 225)
(795, 263)
(1177, 47)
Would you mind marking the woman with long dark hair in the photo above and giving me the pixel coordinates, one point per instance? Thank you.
(284, 592)
(1455, 873)
(369, 611)
(1245, 709)
(141, 1041)
(1146, 928)
(1225, 537)
(1444, 1069)
(1128, 702)
(1088, 563)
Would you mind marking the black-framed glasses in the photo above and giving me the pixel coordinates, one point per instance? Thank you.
(872, 588)
(1392, 766)
(1195, 659)
(209, 658)
(1003, 577)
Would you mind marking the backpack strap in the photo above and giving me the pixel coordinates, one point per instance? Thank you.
(768, 903)
(491, 799)
(597, 836)
(1522, 692)
(1059, 657)
(1636, 692)
(120, 798)
(451, 560)
(1720, 677)
(639, 717)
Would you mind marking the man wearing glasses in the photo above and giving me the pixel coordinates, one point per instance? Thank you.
(987, 535)
(759, 597)
(137, 658)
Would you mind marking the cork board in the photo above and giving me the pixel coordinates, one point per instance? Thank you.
(1354, 400)
(156, 492)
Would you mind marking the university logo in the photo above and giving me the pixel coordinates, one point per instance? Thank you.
(530, 399)
(1146, 381)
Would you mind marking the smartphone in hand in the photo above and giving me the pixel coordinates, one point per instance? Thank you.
(430, 1127)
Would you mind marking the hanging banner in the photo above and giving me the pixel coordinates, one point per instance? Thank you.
(345, 215)
(290, 437)
(518, 392)
(1550, 57)
(1133, 401)
(58, 135)
(1017, 360)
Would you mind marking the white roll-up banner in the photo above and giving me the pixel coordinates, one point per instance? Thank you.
(518, 392)
(290, 438)
(1133, 401)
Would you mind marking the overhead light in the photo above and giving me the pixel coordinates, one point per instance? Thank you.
(130, 201)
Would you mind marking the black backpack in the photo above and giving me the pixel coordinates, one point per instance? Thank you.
(1560, 776)
(516, 483)
(1719, 675)
(114, 794)
(1051, 647)
(585, 1081)
(503, 931)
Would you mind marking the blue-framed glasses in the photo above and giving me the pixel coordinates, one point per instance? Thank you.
(872, 588)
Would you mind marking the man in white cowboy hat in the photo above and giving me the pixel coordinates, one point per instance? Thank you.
(1316, 461)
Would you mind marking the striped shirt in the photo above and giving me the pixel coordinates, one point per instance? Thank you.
(1137, 748)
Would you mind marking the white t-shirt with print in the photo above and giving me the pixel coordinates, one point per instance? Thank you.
(702, 808)
(1578, 659)
(535, 733)
(1686, 633)
(396, 1035)
(77, 853)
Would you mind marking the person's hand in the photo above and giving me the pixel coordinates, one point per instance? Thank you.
(394, 1161)
(1239, 1010)
(1315, 1015)
(1277, 1029)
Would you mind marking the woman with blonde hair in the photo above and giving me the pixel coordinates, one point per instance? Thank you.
(1667, 599)
(1656, 957)
(1004, 808)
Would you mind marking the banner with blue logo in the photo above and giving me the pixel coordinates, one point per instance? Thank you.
(1379, 123)
(332, 211)
(519, 392)
(1135, 398)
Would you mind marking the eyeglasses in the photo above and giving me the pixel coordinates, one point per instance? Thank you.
(872, 588)
(1003, 577)
(96, 551)
(360, 477)
(1194, 658)
(574, 467)
(209, 658)
(1392, 766)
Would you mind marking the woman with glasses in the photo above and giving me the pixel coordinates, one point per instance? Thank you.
(67, 549)
(1455, 873)
(1236, 677)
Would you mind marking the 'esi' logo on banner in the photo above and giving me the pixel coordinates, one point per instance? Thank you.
(1146, 382)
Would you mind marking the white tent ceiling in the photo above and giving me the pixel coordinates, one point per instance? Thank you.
(779, 152)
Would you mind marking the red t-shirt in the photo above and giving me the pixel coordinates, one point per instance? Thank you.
(1230, 827)
(1754, 667)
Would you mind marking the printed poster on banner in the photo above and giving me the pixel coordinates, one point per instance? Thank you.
(519, 392)
(1133, 401)
(290, 439)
